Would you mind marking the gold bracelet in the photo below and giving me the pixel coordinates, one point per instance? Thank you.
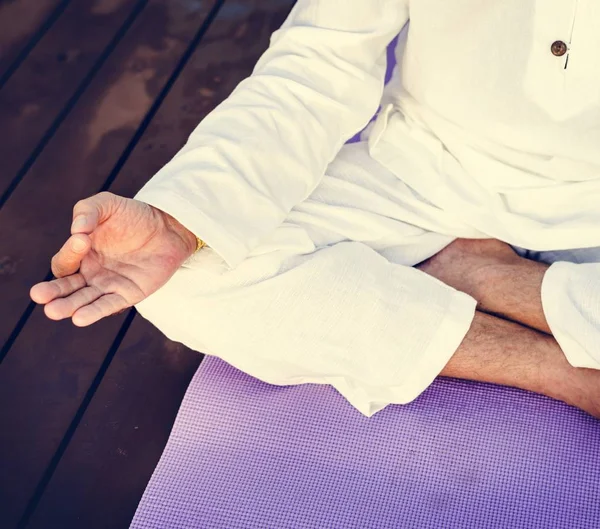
(199, 244)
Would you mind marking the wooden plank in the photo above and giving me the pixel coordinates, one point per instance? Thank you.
(51, 365)
(122, 435)
(106, 467)
(41, 388)
(35, 221)
(33, 98)
(21, 24)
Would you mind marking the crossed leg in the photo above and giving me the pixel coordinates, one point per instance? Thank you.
(332, 297)
(509, 342)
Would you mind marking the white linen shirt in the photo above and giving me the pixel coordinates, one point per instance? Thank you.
(481, 118)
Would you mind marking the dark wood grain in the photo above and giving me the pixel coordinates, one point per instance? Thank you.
(20, 22)
(104, 471)
(226, 56)
(38, 91)
(42, 384)
(51, 365)
(34, 222)
(103, 474)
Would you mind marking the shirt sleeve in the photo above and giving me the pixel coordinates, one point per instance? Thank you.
(266, 147)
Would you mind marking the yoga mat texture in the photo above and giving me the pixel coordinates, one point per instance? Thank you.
(246, 454)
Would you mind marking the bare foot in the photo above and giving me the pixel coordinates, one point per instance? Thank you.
(462, 263)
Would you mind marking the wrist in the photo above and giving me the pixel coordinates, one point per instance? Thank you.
(189, 239)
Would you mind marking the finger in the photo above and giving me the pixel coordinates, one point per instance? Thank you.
(101, 308)
(68, 259)
(90, 212)
(46, 291)
(62, 308)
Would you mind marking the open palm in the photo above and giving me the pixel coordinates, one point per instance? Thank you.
(121, 252)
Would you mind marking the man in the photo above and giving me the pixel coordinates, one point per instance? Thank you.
(459, 238)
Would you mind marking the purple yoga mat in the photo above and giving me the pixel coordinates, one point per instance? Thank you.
(246, 454)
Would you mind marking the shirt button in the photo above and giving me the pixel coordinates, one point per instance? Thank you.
(558, 48)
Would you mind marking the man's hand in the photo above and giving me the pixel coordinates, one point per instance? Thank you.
(120, 251)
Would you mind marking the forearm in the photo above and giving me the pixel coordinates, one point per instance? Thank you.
(266, 147)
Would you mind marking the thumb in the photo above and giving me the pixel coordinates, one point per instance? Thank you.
(68, 259)
(92, 211)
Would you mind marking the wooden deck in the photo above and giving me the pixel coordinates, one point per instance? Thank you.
(95, 95)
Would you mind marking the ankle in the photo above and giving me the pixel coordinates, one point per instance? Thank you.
(577, 387)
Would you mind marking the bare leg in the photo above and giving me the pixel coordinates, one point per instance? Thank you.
(503, 352)
(503, 283)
